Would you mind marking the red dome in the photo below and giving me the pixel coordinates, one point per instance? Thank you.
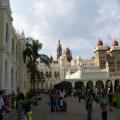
(115, 43)
(108, 48)
(100, 43)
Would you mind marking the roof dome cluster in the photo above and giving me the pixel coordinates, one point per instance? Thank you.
(100, 43)
(115, 43)
(67, 50)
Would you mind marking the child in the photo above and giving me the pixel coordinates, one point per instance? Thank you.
(61, 103)
(29, 115)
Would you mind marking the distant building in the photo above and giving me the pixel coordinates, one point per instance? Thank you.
(104, 66)
(108, 54)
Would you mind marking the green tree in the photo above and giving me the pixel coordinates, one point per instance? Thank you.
(32, 58)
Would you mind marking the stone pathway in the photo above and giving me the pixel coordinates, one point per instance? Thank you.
(75, 111)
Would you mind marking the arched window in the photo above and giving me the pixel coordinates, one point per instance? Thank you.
(12, 78)
(50, 74)
(13, 46)
(47, 75)
(6, 73)
(55, 74)
(7, 33)
(41, 74)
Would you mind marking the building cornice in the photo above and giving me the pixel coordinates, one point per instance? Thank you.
(8, 12)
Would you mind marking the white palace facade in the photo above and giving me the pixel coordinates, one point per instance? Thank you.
(13, 72)
(103, 68)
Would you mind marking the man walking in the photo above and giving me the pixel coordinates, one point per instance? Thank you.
(89, 100)
(104, 105)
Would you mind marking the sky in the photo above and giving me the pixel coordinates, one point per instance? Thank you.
(77, 23)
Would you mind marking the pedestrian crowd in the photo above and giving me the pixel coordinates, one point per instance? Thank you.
(9, 102)
(23, 108)
(57, 100)
(102, 96)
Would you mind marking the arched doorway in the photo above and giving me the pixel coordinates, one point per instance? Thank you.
(64, 85)
(117, 85)
(79, 85)
(108, 83)
(99, 85)
(109, 86)
(90, 85)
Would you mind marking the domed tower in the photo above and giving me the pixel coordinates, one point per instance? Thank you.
(115, 43)
(115, 54)
(67, 55)
(59, 50)
(100, 54)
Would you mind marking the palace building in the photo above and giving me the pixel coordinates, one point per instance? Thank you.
(103, 67)
(13, 72)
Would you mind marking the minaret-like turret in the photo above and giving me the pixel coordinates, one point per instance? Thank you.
(67, 55)
(100, 54)
(59, 50)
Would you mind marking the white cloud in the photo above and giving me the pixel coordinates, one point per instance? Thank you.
(78, 23)
(20, 23)
(37, 34)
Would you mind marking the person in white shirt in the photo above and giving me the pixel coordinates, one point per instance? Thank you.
(1, 101)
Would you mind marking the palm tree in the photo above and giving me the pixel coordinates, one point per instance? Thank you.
(32, 57)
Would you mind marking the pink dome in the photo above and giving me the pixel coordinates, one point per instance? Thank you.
(100, 42)
(115, 43)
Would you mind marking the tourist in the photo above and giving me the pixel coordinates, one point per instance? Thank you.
(12, 100)
(89, 100)
(1, 101)
(79, 93)
(29, 114)
(62, 93)
(110, 96)
(104, 105)
(52, 100)
(57, 97)
(21, 107)
(61, 104)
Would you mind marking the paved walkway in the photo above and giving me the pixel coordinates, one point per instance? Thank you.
(76, 111)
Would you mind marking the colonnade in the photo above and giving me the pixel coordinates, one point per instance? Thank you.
(86, 83)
